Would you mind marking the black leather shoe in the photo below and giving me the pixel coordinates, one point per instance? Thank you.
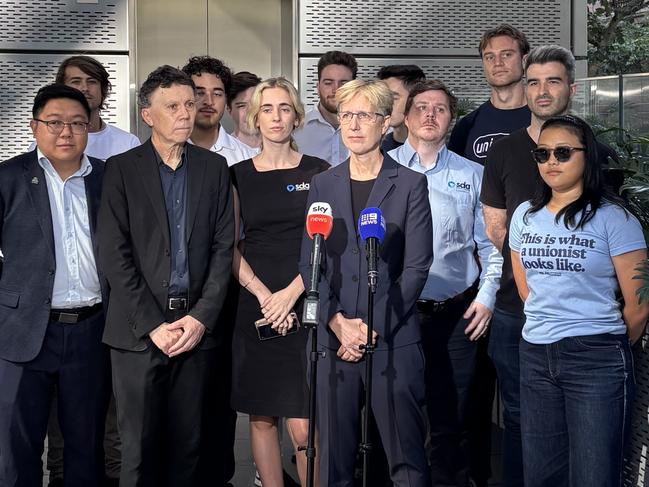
(56, 482)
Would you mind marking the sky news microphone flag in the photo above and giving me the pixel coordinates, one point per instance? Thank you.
(319, 220)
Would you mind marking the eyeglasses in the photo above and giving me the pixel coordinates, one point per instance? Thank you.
(345, 118)
(561, 154)
(56, 126)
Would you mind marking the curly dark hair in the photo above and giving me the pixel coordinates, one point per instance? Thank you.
(207, 64)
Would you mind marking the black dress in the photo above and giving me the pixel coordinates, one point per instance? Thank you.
(269, 377)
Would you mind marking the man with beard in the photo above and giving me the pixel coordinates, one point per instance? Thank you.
(510, 178)
(400, 78)
(213, 79)
(457, 301)
(502, 50)
(243, 85)
(320, 134)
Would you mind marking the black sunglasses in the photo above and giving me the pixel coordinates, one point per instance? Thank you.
(561, 154)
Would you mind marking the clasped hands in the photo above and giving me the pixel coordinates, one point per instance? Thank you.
(276, 308)
(352, 334)
(178, 337)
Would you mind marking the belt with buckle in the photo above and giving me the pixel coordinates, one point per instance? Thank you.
(430, 305)
(72, 316)
(177, 303)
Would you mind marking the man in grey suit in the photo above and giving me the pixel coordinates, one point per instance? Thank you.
(51, 295)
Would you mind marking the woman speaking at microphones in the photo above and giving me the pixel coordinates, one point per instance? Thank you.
(269, 347)
(370, 178)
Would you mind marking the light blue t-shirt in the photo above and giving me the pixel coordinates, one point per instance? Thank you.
(570, 273)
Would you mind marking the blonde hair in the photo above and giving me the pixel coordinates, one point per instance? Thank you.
(252, 117)
(376, 92)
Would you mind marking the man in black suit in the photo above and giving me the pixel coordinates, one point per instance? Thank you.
(166, 234)
(51, 316)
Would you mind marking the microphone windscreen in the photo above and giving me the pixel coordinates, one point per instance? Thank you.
(319, 220)
(371, 224)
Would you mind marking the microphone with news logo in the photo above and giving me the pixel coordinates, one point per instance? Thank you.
(319, 223)
(371, 228)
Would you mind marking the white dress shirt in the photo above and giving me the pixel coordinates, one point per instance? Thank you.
(76, 283)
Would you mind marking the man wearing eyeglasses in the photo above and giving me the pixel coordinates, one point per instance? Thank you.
(510, 178)
(457, 301)
(51, 295)
(213, 80)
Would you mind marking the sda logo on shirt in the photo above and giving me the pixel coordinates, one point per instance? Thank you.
(298, 187)
(463, 185)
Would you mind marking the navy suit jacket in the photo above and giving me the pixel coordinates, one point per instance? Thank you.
(404, 258)
(27, 243)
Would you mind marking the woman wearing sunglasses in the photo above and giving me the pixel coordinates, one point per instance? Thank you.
(574, 249)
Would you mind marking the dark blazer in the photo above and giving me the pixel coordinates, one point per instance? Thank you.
(405, 255)
(135, 244)
(27, 243)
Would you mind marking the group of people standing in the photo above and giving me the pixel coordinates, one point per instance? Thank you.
(175, 254)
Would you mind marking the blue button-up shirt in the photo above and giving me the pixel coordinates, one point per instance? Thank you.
(174, 188)
(76, 283)
(458, 227)
(318, 138)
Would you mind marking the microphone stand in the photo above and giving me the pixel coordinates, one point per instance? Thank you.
(372, 274)
(310, 318)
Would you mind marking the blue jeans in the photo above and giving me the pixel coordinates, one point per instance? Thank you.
(576, 397)
(504, 341)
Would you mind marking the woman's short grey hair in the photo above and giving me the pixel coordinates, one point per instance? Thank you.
(550, 54)
(376, 92)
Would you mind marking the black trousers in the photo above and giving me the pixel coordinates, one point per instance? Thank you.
(450, 366)
(73, 360)
(159, 412)
(217, 463)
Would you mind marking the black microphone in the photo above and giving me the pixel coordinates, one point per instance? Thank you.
(371, 228)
